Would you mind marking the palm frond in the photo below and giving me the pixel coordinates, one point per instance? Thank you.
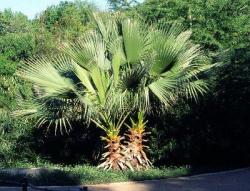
(164, 90)
(194, 88)
(42, 72)
(168, 48)
(136, 41)
(89, 51)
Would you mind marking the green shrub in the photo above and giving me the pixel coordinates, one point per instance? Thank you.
(7, 67)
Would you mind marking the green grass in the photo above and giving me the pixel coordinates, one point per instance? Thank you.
(91, 175)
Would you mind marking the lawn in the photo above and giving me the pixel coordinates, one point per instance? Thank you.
(84, 174)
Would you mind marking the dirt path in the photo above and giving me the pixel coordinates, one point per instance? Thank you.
(236, 180)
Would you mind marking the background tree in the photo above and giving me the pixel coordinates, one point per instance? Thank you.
(68, 20)
(118, 5)
(19, 39)
(216, 24)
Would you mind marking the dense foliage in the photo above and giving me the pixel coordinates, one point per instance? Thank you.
(211, 131)
(217, 24)
(20, 39)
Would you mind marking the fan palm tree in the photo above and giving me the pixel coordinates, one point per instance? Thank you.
(122, 65)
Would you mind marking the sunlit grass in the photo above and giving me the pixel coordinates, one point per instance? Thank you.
(84, 174)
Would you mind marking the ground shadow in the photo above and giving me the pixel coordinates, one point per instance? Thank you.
(44, 177)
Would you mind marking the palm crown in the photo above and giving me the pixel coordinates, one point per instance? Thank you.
(121, 65)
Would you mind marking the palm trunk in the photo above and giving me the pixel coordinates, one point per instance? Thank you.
(135, 150)
(135, 145)
(114, 158)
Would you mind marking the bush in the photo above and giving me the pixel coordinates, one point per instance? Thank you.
(17, 46)
(15, 134)
(7, 67)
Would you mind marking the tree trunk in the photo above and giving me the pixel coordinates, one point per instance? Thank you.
(135, 150)
(114, 158)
